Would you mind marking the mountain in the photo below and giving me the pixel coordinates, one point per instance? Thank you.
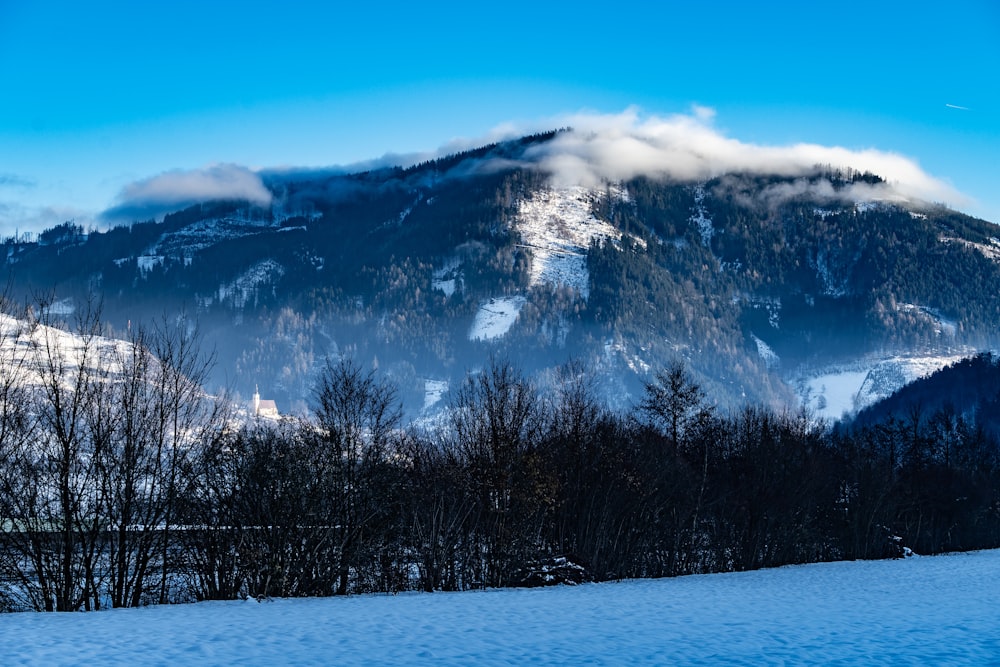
(967, 391)
(817, 287)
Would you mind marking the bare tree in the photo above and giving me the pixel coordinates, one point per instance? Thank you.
(497, 421)
(357, 417)
(157, 415)
(17, 433)
(439, 505)
(63, 517)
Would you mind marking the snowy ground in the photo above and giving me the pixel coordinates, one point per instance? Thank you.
(434, 391)
(495, 317)
(23, 350)
(832, 395)
(835, 391)
(931, 610)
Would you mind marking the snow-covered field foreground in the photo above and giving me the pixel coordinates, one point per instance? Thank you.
(930, 610)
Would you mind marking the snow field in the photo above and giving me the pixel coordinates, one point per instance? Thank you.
(24, 349)
(434, 391)
(495, 317)
(931, 610)
(557, 226)
(839, 390)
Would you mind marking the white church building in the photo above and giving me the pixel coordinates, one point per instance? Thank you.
(264, 407)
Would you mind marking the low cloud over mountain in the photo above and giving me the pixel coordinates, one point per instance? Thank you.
(593, 149)
(616, 147)
(152, 197)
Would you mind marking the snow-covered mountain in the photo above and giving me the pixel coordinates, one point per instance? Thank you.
(775, 288)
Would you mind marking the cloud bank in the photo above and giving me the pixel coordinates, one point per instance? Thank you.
(172, 190)
(687, 147)
(596, 149)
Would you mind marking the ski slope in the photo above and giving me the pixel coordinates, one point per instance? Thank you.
(922, 610)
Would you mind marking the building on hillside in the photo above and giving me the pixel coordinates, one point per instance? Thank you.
(264, 407)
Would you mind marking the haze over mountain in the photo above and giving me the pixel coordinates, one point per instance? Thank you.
(623, 241)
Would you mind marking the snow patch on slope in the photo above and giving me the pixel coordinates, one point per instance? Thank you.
(496, 317)
(245, 287)
(835, 391)
(635, 363)
(989, 250)
(767, 355)
(434, 391)
(832, 284)
(943, 325)
(25, 348)
(557, 226)
(700, 217)
(448, 278)
(185, 242)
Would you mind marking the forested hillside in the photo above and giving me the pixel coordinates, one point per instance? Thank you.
(956, 398)
(755, 281)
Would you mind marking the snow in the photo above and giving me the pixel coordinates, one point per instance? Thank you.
(24, 349)
(147, 262)
(204, 233)
(61, 308)
(922, 610)
(832, 285)
(243, 289)
(496, 317)
(831, 395)
(634, 362)
(767, 355)
(446, 286)
(434, 391)
(447, 277)
(771, 304)
(834, 391)
(943, 325)
(557, 226)
(888, 375)
(989, 250)
(700, 217)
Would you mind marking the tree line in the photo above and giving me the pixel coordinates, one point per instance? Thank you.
(123, 484)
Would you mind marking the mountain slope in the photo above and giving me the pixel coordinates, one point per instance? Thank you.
(968, 389)
(756, 281)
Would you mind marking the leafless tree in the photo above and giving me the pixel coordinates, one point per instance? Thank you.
(497, 421)
(357, 418)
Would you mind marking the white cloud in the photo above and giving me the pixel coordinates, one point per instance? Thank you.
(173, 189)
(222, 181)
(687, 147)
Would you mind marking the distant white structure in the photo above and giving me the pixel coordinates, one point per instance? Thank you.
(263, 407)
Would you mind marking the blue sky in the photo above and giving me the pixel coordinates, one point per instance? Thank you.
(97, 96)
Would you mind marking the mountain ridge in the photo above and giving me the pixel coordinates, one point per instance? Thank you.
(746, 277)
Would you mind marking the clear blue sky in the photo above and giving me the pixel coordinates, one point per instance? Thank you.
(96, 95)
